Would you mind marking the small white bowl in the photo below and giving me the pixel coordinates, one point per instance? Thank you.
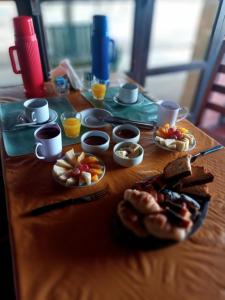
(127, 162)
(91, 141)
(116, 138)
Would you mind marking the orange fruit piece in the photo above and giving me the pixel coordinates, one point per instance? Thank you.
(94, 178)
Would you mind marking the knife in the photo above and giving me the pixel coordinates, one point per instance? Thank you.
(61, 204)
(142, 125)
(205, 152)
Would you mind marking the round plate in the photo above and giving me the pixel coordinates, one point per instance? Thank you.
(52, 118)
(191, 146)
(117, 101)
(85, 185)
(91, 117)
(129, 239)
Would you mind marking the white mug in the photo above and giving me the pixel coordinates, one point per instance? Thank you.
(36, 110)
(48, 142)
(128, 93)
(169, 112)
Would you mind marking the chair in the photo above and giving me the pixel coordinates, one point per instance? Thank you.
(211, 115)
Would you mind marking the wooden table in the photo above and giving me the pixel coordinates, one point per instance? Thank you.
(73, 253)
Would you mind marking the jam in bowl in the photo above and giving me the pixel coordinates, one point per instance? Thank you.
(126, 133)
(95, 141)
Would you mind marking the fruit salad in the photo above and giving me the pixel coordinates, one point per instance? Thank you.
(78, 169)
(174, 138)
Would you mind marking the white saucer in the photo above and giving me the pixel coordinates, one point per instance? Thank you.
(117, 101)
(91, 117)
(52, 118)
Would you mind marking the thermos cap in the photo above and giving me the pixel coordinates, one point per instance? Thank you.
(100, 24)
(23, 26)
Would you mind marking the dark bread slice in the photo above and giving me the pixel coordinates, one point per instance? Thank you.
(200, 192)
(178, 168)
(199, 176)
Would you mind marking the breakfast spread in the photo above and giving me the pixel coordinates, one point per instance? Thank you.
(78, 169)
(174, 138)
(167, 205)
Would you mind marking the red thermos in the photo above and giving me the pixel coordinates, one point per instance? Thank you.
(26, 46)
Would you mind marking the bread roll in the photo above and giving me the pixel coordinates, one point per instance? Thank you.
(158, 226)
(142, 201)
(131, 219)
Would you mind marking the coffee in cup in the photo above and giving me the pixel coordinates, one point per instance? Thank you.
(169, 112)
(128, 93)
(36, 110)
(48, 142)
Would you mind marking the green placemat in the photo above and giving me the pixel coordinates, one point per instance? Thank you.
(21, 141)
(145, 109)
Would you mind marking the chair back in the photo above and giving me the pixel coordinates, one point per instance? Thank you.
(216, 84)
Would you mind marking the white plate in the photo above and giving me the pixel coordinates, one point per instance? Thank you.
(90, 117)
(52, 118)
(85, 185)
(117, 101)
(191, 146)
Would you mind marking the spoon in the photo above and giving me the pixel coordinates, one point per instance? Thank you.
(25, 124)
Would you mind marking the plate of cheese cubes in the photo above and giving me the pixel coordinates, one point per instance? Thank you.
(174, 138)
(78, 169)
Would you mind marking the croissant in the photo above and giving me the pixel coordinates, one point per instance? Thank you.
(159, 226)
(131, 219)
(142, 201)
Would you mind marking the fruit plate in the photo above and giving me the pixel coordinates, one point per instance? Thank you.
(91, 161)
(191, 145)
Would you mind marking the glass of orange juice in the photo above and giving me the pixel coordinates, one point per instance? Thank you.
(71, 122)
(98, 89)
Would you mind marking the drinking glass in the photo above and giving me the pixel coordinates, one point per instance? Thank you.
(71, 122)
(98, 89)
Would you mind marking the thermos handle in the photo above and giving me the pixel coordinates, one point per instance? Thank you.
(113, 50)
(11, 55)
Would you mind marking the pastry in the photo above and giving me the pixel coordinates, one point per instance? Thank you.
(158, 225)
(131, 219)
(142, 201)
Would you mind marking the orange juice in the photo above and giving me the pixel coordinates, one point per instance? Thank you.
(71, 127)
(98, 91)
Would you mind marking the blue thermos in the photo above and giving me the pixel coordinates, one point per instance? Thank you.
(100, 44)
